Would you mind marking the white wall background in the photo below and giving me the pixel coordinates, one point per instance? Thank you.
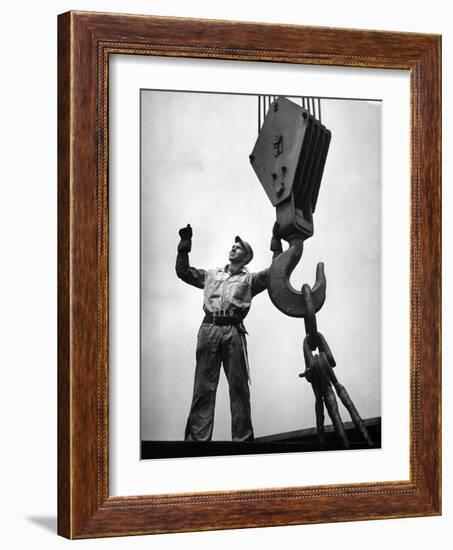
(195, 169)
(28, 289)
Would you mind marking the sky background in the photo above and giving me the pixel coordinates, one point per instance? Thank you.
(195, 169)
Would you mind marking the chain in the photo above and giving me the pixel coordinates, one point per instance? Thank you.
(313, 339)
(319, 373)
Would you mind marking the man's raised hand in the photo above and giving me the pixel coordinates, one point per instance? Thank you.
(185, 245)
(186, 232)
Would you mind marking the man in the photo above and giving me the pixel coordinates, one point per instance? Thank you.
(228, 293)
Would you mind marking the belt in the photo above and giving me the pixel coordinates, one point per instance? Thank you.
(221, 318)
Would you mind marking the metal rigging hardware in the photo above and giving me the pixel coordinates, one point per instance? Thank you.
(289, 158)
(319, 373)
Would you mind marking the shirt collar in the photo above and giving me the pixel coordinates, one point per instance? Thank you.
(243, 270)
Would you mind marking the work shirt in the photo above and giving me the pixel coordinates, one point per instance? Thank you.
(223, 290)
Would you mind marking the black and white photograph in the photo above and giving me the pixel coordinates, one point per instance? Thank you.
(226, 297)
(260, 273)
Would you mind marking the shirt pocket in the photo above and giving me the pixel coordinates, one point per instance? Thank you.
(240, 293)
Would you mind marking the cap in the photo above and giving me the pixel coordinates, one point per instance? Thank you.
(245, 245)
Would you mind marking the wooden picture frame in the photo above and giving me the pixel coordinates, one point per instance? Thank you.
(85, 41)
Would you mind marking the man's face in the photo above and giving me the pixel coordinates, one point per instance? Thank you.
(237, 254)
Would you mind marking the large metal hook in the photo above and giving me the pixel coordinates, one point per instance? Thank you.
(289, 158)
(282, 294)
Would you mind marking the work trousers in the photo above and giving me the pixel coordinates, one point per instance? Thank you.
(218, 345)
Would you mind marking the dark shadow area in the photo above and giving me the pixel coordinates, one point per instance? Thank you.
(299, 441)
(49, 523)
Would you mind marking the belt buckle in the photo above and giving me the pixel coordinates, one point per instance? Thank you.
(217, 316)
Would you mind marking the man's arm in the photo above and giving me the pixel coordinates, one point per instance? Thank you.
(260, 279)
(184, 271)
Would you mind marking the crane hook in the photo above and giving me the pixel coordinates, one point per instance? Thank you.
(289, 158)
(282, 294)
